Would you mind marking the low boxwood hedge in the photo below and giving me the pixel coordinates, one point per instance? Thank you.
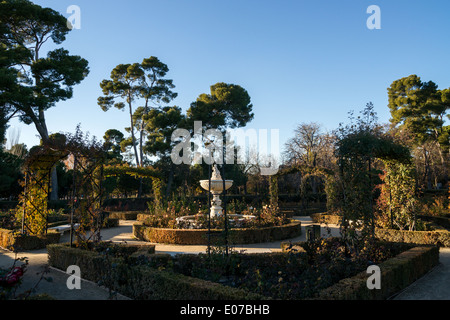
(140, 282)
(439, 236)
(326, 218)
(442, 221)
(200, 236)
(124, 215)
(396, 274)
(110, 222)
(10, 240)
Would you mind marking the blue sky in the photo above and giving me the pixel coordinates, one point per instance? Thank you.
(300, 61)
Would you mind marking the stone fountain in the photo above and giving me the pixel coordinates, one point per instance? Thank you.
(216, 187)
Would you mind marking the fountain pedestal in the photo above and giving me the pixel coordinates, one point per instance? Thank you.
(216, 187)
(216, 208)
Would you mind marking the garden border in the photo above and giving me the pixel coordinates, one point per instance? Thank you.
(397, 273)
(10, 240)
(123, 215)
(142, 283)
(200, 236)
(150, 284)
(439, 237)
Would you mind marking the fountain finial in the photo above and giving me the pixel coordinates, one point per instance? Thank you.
(216, 174)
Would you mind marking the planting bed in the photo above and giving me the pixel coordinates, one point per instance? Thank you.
(321, 271)
(439, 236)
(200, 236)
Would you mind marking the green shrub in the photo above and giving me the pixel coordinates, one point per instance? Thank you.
(136, 281)
(326, 218)
(248, 276)
(109, 222)
(287, 275)
(123, 215)
(440, 238)
(10, 239)
(396, 274)
(200, 236)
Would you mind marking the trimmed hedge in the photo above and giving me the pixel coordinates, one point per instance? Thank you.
(140, 282)
(396, 274)
(326, 218)
(11, 240)
(124, 215)
(200, 236)
(145, 283)
(440, 238)
(110, 222)
(442, 221)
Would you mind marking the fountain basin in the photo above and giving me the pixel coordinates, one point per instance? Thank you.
(216, 185)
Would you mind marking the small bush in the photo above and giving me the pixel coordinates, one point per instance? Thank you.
(123, 215)
(287, 275)
(10, 239)
(121, 272)
(320, 272)
(397, 273)
(200, 236)
(440, 238)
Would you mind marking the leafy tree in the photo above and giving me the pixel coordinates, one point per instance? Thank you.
(113, 143)
(9, 164)
(135, 82)
(36, 83)
(159, 125)
(421, 108)
(3, 125)
(227, 106)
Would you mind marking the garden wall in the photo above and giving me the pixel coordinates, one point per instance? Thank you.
(200, 236)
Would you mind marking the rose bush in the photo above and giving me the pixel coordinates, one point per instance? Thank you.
(10, 280)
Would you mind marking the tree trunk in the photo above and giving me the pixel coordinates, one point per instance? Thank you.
(133, 137)
(42, 129)
(443, 157)
(427, 169)
(141, 157)
(170, 181)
